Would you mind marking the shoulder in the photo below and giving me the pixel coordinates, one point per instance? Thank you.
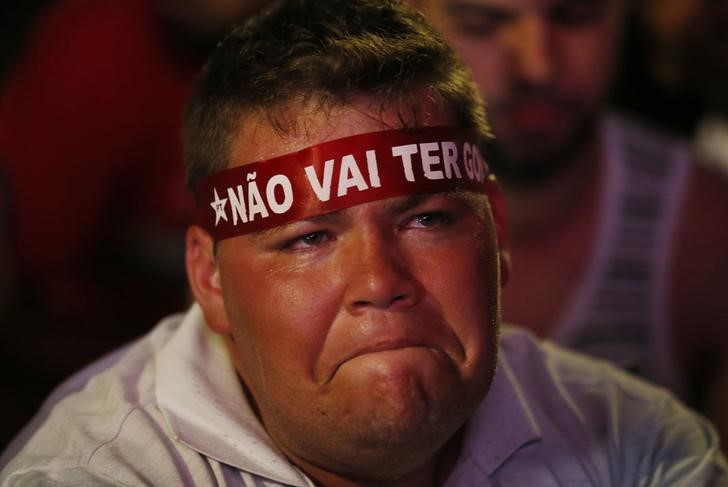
(94, 422)
(581, 377)
(64, 476)
(589, 385)
(700, 259)
(595, 389)
(638, 430)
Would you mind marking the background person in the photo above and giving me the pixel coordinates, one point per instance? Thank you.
(615, 230)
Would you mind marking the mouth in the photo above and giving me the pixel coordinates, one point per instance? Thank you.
(533, 116)
(387, 337)
(386, 347)
(383, 348)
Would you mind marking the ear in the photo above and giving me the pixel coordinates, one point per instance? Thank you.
(497, 204)
(204, 277)
(504, 255)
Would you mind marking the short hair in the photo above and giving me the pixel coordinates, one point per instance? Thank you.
(326, 52)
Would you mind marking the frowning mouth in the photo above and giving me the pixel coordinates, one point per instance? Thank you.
(386, 338)
(533, 116)
(392, 346)
(386, 346)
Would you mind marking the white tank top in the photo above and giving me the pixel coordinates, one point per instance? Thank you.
(620, 311)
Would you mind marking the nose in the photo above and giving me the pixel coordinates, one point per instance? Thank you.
(379, 276)
(531, 51)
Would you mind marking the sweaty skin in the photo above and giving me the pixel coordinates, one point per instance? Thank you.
(366, 336)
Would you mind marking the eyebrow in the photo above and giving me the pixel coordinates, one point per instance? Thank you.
(468, 8)
(396, 206)
(402, 205)
(325, 218)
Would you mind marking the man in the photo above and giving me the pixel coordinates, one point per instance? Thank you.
(347, 269)
(615, 232)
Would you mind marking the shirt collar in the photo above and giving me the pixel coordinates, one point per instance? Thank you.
(200, 396)
(502, 424)
(209, 412)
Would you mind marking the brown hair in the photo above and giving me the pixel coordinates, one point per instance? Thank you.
(326, 52)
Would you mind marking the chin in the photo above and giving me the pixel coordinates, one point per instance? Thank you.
(382, 420)
(392, 445)
(527, 164)
(405, 410)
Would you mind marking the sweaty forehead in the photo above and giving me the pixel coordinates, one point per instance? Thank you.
(311, 124)
(339, 174)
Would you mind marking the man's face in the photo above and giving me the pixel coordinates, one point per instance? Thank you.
(367, 331)
(543, 67)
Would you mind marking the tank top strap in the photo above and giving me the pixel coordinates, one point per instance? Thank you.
(621, 311)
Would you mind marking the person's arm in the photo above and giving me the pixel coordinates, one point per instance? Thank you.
(700, 295)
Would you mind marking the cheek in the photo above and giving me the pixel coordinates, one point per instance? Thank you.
(469, 292)
(280, 328)
(486, 63)
(589, 61)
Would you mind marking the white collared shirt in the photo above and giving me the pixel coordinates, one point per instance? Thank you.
(169, 410)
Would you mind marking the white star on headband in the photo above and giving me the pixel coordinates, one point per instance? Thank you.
(219, 206)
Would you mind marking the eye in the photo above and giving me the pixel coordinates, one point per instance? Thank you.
(478, 23)
(307, 241)
(432, 219)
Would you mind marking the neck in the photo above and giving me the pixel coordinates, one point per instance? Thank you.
(432, 473)
(538, 212)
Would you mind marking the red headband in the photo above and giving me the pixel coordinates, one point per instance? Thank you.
(343, 173)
